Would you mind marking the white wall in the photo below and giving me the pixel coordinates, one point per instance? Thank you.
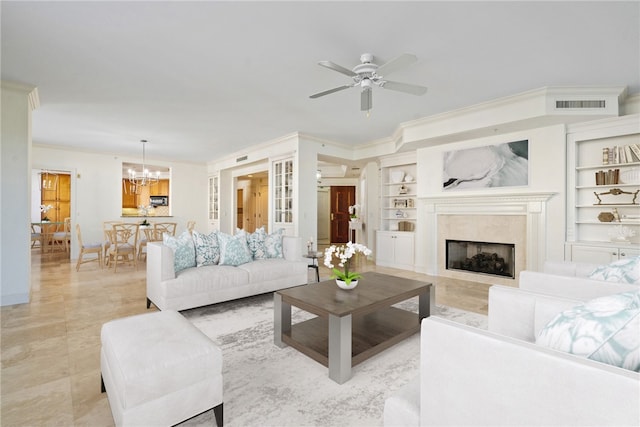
(15, 194)
(96, 195)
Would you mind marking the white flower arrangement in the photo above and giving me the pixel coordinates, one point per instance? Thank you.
(44, 209)
(344, 253)
(353, 211)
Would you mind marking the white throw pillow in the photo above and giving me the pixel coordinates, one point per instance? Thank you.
(623, 271)
(184, 252)
(606, 329)
(234, 249)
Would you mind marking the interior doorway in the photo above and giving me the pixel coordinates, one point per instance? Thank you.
(341, 198)
(252, 201)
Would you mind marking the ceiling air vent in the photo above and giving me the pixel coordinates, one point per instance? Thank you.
(581, 104)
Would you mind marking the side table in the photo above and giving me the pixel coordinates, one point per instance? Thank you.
(313, 256)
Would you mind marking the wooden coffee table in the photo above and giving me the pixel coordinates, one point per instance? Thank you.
(351, 325)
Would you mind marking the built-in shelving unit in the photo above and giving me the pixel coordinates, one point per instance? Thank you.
(603, 221)
(399, 189)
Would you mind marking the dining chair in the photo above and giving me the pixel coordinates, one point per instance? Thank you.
(190, 226)
(160, 228)
(145, 236)
(36, 235)
(124, 244)
(91, 248)
(107, 228)
(62, 237)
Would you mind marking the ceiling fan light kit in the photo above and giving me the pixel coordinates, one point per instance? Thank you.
(367, 75)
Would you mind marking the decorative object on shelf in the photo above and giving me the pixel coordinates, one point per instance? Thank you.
(44, 209)
(402, 190)
(621, 234)
(144, 177)
(345, 254)
(408, 178)
(396, 176)
(617, 192)
(605, 217)
(400, 214)
(353, 212)
(410, 203)
(406, 226)
(630, 176)
(401, 203)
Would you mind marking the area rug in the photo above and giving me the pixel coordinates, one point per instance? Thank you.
(265, 385)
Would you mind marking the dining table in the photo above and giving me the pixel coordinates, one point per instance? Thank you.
(47, 229)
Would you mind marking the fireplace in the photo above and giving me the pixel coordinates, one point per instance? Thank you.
(496, 259)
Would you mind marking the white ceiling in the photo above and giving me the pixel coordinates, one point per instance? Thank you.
(201, 80)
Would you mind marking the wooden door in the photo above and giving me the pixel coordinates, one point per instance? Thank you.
(341, 198)
(262, 206)
(59, 198)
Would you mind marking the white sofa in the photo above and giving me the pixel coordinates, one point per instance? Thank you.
(475, 377)
(199, 286)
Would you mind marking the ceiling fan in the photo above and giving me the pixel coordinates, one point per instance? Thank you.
(367, 74)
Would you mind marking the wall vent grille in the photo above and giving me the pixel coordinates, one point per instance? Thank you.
(599, 103)
(241, 159)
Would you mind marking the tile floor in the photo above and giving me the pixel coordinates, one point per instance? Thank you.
(49, 348)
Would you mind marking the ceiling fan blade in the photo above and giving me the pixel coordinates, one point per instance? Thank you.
(327, 92)
(404, 87)
(396, 64)
(339, 68)
(366, 100)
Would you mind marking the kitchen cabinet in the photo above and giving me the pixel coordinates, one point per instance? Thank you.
(395, 249)
(160, 189)
(129, 197)
(59, 198)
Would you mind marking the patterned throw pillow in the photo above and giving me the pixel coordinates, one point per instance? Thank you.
(273, 244)
(606, 329)
(207, 248)
(255, 241)
(622, 271)
(184, 252)
(234, 249)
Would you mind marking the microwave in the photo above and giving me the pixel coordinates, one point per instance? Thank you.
(159, 200)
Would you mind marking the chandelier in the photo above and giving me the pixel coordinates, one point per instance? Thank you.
(48, 180)
(143, 178)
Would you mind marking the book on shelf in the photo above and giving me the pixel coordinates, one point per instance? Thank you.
(610, 177)
(620, 154)
(635, 149)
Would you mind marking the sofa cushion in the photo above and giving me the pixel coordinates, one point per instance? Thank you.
(264, 270)
(207, 279)
(606, 329)
(622, 271)
(273, 244)
(255, 241)
(184, 252)
(234, 249)
(207, 248)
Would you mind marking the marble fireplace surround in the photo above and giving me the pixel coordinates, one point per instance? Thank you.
(518, 218)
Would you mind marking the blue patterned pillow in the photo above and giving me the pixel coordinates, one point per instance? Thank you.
(234, 249)
(184, 252)
(255, 241)
(273, 244)
(622, 271)
(606, 329)
(207, 248)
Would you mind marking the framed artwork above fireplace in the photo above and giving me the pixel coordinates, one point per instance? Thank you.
(500, 165)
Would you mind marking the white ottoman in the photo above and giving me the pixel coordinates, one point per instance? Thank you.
(158, 369)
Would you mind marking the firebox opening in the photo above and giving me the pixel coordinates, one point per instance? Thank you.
(496, 259)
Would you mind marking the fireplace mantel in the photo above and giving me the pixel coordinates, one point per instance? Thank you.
(532, 205)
